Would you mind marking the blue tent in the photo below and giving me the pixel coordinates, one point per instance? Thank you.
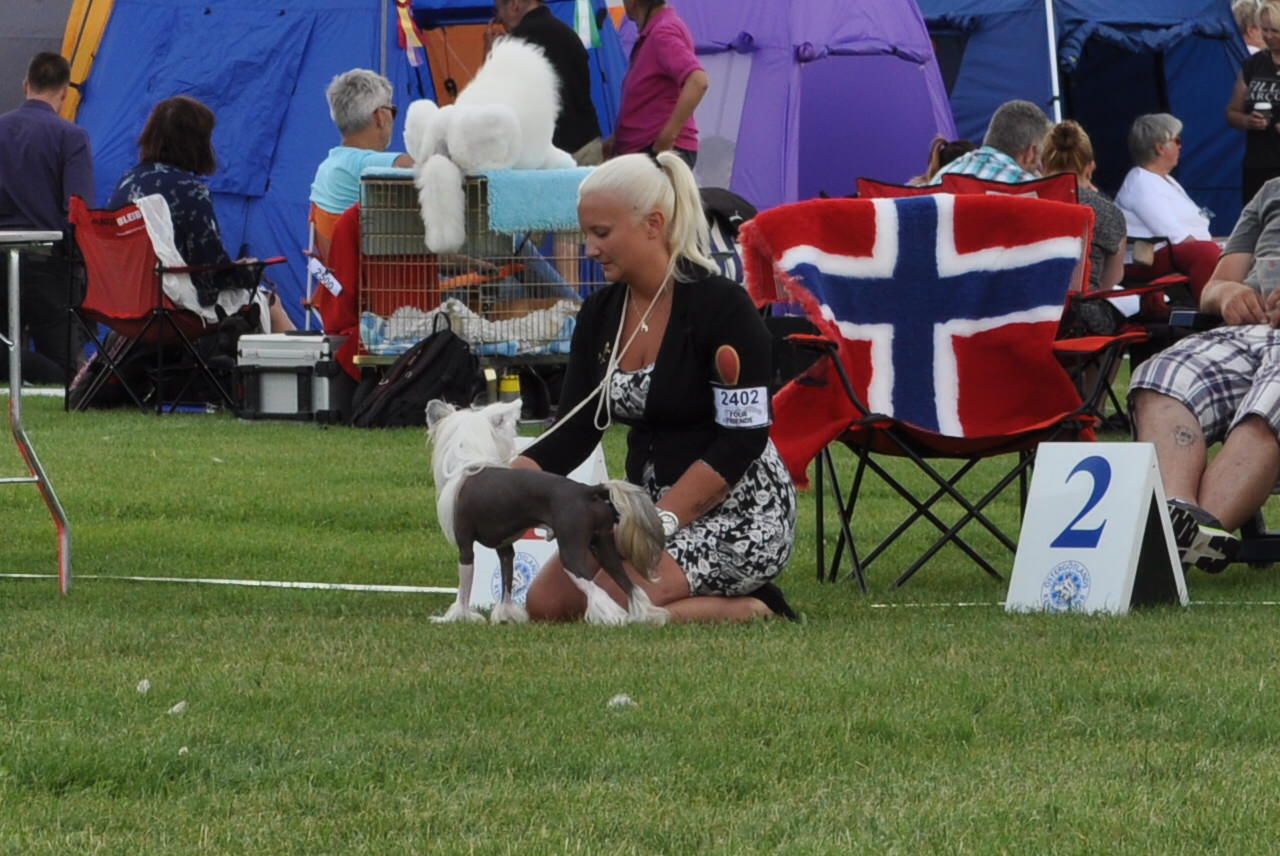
(1115, 61)
(262, 68)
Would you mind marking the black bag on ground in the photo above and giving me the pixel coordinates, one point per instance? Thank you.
(440, 366)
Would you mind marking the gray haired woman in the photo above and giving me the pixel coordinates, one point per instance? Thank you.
(360, 104)
(1155, 205)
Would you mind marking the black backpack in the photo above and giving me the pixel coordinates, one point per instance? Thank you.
(440, 366)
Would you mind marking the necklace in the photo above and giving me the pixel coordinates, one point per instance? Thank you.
(644, 317)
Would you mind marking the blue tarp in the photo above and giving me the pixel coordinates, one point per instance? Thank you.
(1116, 60)
(262, 68)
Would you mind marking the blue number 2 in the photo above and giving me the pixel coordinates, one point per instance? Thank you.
(1097, 467)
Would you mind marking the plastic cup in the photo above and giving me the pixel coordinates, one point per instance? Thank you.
(1267, 272)
(1264, 108)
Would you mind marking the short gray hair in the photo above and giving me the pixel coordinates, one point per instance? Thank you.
(1148, 133)
(354, 95)
(1015, 126)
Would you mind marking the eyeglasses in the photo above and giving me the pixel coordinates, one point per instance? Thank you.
(1177, 141)
(392, 108)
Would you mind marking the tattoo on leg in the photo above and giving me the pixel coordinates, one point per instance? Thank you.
(1184, 436)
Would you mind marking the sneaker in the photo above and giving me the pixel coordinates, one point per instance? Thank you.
(771, 596)
(1202, 541)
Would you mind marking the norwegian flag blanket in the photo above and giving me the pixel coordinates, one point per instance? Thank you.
(944, 309)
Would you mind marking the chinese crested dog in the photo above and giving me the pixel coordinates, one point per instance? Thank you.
(481, 499)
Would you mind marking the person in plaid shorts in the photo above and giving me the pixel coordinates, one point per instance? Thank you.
(1221, 385)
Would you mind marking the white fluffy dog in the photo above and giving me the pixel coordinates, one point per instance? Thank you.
(503, 119)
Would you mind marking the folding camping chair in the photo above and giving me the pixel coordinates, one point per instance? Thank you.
(938, 316)
(125, 291)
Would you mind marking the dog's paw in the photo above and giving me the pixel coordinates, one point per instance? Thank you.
(642, 611)
(457, 613)
(512, 612)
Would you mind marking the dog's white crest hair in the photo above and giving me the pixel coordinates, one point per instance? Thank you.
(464, 442)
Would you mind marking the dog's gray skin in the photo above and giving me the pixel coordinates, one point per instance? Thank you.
(496, 506)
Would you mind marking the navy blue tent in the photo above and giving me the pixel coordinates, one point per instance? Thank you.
(1115, 61)
(262, 67)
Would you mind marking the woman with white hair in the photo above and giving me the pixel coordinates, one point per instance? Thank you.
(679, 354)
(1156, 206)
(360, 105)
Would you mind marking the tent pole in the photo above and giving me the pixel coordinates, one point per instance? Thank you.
(1052, 32)
(382, 40)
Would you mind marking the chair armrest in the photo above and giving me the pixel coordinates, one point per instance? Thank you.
(1193, 319)
(239, 263)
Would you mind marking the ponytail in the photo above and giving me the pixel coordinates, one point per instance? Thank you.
(687, 224)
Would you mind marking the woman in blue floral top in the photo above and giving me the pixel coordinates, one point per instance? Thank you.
(174, 150)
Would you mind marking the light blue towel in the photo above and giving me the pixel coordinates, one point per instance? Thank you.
(534, 200)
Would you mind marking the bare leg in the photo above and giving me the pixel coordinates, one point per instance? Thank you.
(1179, 442)
(1239, 479)
(552, 597)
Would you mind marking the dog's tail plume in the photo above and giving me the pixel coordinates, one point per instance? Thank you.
(640, 537)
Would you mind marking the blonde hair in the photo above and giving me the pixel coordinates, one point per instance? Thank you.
(1272, 7)
(1066, 148)
(663, 183)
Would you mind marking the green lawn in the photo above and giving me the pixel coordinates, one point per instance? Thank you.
(339, 722)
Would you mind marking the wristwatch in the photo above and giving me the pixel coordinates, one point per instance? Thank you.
(670, 523)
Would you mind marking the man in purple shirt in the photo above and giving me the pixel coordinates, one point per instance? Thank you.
(664, 84)
(44, 159)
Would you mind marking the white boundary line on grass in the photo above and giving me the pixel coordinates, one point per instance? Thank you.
(449, 590)
(38, 392)
(252, 583)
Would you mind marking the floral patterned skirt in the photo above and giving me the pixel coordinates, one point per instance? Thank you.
(745, 540)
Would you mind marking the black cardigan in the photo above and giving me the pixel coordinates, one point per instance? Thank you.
(679, 424)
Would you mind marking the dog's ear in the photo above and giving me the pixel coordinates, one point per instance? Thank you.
(437, 410)
(504, 415)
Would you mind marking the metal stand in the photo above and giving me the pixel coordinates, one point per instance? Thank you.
(13, 242)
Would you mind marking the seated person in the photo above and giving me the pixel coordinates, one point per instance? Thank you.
(174, 150)
(360, 105)
(727, 503)
(1010, 150)
(1068, 149)
(1156, 206)
(1220, 385)
(941, 152)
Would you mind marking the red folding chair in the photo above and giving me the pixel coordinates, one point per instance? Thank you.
(1055, 188)
(938, 316)
(124, 292)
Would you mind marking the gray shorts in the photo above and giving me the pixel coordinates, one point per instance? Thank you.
(1221, 375)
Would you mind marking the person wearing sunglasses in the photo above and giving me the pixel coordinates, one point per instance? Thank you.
(1155, 205)
(360, 105)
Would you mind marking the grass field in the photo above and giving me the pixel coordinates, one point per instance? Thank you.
(338, 722)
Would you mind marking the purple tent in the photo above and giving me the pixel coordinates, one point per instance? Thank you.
(807, 95)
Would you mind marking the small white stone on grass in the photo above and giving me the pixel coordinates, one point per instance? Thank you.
(144, 686)
(178, 708)
(620, 701)
(219, 461)
(183, 751)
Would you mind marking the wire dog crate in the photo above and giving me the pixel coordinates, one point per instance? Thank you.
(507, 295)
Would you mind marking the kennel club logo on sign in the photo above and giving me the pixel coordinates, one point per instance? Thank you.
(934, 302)
(1066, 587)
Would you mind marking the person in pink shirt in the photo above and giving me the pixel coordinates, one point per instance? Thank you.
(663, 86)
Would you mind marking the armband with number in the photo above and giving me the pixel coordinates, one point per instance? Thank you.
(741, 407)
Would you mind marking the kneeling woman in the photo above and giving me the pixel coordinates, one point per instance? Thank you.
(679, 354)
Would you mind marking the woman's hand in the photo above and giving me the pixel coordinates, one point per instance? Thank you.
(1255, 121)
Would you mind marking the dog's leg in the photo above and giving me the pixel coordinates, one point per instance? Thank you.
(575, 556)
(460, 609)
(507, 609)
(601, 609)
(640, 610)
